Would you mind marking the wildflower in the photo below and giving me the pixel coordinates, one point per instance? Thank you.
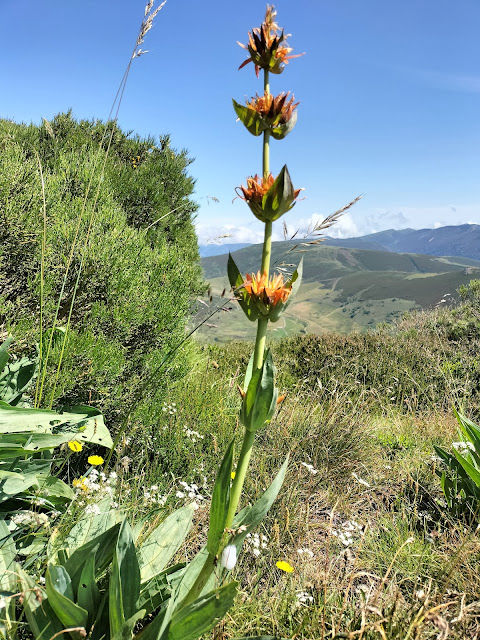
(266, 291)
(232, 475)
(310, 468)
(267, 112)
(267, 46)
(304, 598)
(306, 552)
(284, 566)
(75, 446)
(463, 446)
(256, 543)
(95, 460)
(79, 483)
(93, 509)
(229, 557)
(360, 480)
(269, 198)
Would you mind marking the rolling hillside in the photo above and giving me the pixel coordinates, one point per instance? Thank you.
(343, 289)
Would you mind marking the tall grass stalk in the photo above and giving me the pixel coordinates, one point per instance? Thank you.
(42, 270)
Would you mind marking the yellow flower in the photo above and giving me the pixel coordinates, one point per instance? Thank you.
(75, 446)
(79, 483)
(95, 460)
(232, 475)
(284, 566)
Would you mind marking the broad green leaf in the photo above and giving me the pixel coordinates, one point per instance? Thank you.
(161, 545)
(473, 473)
(200, 616)
(160, 587)
(14, 419)
(60, 597)
(4, 353)
(42, 621)
(220, 501)
(7, 558)
(124, 586)
(88, 595)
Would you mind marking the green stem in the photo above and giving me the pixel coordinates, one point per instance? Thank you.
(240, 474)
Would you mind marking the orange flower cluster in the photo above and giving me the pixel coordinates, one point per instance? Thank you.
(269, 291)
(276, 109)
(256, 188)
(265, 45)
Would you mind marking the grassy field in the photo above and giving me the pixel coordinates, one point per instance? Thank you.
(343, 290)
(361, 516)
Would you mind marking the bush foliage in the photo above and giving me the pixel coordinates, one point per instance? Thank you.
(141, 263)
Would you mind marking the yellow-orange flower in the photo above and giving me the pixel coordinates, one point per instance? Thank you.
(284, 566)
(256, 188)
(267, 45)
(79, 483)
(75, 446)
(274, 109)
(95, 460)
(269, 291)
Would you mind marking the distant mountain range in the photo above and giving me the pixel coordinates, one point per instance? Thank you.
(344, 289)
(460, 240)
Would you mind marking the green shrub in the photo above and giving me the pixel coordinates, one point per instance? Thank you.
(141, 264)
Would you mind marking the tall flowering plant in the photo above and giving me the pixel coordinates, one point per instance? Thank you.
(263, 297)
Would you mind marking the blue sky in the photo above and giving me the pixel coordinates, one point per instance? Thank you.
(389, 93)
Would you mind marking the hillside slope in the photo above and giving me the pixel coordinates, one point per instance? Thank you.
(343, 289)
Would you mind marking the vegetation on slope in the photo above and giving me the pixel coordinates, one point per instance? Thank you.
(140, 267)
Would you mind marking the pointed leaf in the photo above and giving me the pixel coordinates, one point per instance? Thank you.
(197, 618)
(124, 581)
(161, 545)
(220, 501)
(60, 597)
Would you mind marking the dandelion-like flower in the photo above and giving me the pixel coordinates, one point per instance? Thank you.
(95, 461)
(285, 566)
(267, 45)
(75, 446)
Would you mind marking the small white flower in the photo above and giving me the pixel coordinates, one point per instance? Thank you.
(93, 508)
(306, 552)
(229, 557)
(360, 480)
(310, 468)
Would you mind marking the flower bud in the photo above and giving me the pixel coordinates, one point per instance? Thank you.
(229, 557)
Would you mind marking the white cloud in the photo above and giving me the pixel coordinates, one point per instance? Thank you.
(228, 234)
(349, 225)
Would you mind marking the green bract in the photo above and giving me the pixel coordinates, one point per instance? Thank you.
(256, 123)
(279, 199)
(260, 400)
